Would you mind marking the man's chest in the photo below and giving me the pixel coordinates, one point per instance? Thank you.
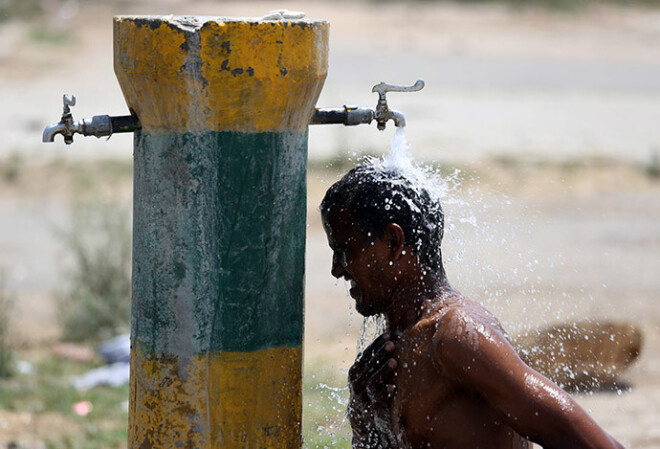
(422, 386)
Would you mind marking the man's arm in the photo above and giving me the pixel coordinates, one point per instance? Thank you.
(481, 358)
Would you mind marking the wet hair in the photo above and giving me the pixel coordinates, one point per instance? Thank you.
(375, 197)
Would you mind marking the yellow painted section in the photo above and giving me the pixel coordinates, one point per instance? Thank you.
(221, 400)
(224, 75)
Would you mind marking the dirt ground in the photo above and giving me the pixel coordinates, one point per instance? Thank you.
(553, 116)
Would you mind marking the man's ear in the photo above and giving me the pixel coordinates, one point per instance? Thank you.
(395, 238)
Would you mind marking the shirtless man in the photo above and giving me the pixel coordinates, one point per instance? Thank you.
(445, 374)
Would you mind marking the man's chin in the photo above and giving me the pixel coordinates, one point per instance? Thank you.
(363, 310)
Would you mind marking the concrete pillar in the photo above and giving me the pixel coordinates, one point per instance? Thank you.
(219, 225)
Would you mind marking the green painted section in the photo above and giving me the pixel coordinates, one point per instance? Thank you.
(219, 241)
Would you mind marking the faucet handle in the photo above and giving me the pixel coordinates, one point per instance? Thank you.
(383, 88)
(67, 101)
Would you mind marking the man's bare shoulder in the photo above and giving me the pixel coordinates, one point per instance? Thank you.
(454, 316)
(461, 327)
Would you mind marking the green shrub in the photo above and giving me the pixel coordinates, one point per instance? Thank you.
(96, 303)
(652, 168)
(7, 362)
(11, 169)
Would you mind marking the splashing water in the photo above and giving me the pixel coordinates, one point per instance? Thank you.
(399, 157)
(475, 269)
(333, 428)
(399, 160)
(372, 327)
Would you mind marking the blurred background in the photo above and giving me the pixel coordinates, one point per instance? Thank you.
(542, 116)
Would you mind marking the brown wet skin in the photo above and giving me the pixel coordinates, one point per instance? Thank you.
(445, 375)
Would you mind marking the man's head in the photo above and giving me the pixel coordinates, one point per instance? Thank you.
(385, 215)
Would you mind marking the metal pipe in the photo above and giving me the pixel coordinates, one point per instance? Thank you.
(125, 124)
(348, 116)
(329, 117)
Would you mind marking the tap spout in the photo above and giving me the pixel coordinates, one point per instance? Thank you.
(382, 115)
(398, 119)
(52, 130)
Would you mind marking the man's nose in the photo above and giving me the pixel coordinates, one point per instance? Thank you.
(337, 267)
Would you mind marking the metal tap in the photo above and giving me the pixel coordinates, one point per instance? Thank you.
(67, 127)
(356, 115)
(383, 112)
(99, 125)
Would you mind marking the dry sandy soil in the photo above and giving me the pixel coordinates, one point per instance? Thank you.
(551, 114)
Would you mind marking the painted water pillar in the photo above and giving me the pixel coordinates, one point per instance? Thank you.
(219, 225)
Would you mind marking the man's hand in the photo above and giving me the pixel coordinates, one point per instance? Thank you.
(372, 373)
(372, 389)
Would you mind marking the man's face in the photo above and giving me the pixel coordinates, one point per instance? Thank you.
(360, 258)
